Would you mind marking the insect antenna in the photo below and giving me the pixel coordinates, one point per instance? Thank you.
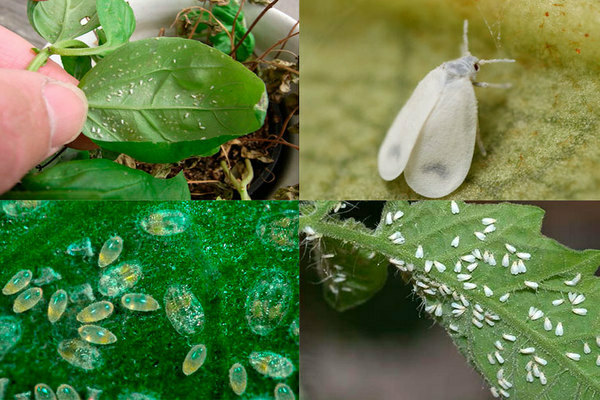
(464, 48)
(496, 60)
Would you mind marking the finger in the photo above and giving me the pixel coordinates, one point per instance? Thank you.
(37, 116)
(16, 53)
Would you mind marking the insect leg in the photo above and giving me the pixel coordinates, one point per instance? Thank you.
(493, 85)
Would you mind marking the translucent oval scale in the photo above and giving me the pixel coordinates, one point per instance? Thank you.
(118, 279)
(66, 392)
(279, 229)
(95, 312)
(23, 396)
(238, 379)
(268, 302)
(184, 310)
(111, 250)
(271, 364)
(20, 208)
(165, 223)
(284, 392)
(18, 282)
(80, 354)
(139, 302)
(57, 305)
(43, 392)
(27, 300)
(96, 334)
(194, 359)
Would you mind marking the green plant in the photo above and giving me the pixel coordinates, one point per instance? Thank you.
(222, 251)
(157, 100)
(521, 307)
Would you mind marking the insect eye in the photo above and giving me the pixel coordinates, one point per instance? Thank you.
(476, 66)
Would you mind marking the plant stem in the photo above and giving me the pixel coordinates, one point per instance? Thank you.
(79, 51)
(240, 185)
(263, 12)
(39, 60)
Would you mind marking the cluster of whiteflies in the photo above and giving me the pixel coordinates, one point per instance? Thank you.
(468, 303)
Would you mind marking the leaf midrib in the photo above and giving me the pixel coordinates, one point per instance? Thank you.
(366, 240)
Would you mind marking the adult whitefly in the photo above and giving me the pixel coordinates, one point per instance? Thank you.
(432, 139)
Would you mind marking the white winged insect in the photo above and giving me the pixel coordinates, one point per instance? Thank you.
(432, 138)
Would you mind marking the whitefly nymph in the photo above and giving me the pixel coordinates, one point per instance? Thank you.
(433, 137)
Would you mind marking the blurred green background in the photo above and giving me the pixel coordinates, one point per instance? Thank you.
(220, 257)
(388, 348)
(363, 59)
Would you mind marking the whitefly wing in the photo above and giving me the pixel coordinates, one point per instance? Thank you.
(400, 139)
(442, 155)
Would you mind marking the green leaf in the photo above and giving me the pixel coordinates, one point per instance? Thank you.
(77, 66)
(226, 15)
(478, 317)
(147, 358)
(541, 135)
(58, 20)
(98, 179)
(117, 20)
(352, 277)
(165, 99)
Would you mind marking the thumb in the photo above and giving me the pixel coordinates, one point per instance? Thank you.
(37, 116)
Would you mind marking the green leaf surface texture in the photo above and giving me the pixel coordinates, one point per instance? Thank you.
(363, 64)
(117, 20)
(180, 94)
(219, 257)
(57, 20)
(98, 179)
(226, 15)
(504, 319)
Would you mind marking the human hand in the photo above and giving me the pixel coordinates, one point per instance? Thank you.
(39, 111)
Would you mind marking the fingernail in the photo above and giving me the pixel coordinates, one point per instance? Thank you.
(67, 111)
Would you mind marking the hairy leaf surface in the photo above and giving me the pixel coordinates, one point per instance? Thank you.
(484, 308)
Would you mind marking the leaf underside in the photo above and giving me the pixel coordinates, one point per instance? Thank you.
(477, 320)
(58, 20)
(180, 95)
(98, 179)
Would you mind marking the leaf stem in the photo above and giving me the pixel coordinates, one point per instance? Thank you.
(62, 50)
(262, 13)
(39, 60)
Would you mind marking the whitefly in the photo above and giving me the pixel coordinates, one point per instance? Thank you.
(432, 138)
